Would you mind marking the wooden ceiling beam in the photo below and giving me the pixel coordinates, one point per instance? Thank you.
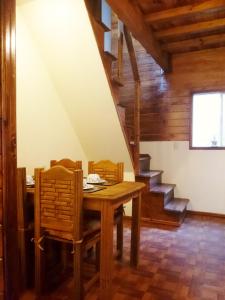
(212, 41)
(190, 29)
(130, 14)
(184, 11)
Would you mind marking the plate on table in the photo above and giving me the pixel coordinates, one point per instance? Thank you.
(87, 187)
(30, 185)
(98, 182)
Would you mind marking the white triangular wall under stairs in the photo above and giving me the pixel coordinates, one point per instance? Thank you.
(59, 34)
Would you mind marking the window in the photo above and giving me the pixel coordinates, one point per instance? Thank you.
(208, 120)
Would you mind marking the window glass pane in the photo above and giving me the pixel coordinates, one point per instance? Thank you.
(206, 124)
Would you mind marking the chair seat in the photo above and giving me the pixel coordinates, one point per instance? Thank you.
(91, 227)
(96, 215)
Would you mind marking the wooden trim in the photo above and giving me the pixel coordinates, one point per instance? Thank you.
(148, 221)
(183, 11)
(131, 15)
(188, 213)
(205, 214)
(8, 119)
(206, 148)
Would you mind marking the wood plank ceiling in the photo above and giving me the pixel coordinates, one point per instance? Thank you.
(177, 26)
(188, 25)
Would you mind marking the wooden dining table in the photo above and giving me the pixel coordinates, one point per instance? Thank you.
(106, 201)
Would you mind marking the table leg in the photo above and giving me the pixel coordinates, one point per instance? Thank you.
(106, 260)
(135, 231)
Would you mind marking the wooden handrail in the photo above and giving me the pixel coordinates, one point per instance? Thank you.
(137, 102)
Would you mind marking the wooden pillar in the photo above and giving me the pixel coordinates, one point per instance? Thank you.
(8, 148)
(137, 102)
(137, 125)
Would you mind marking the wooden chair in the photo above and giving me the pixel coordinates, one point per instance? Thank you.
(25, 227)
(107, 170)
(58, 216)
(111, 171)
(72, 166)
(67, 163)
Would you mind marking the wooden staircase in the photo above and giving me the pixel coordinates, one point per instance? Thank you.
(111, 36)
(158, 202)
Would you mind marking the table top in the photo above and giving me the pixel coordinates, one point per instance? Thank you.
(116, 191)
(112, 192)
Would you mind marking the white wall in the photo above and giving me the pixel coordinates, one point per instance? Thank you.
(198, 174)
(44, 131)
(62, 35)
(64, 104)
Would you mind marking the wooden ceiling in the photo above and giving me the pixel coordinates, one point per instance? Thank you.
(173, 26)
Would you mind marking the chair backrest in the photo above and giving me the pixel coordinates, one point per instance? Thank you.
(67, 163)
(107, 170)
(58, 202)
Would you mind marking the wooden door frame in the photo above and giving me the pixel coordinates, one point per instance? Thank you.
(8, 146)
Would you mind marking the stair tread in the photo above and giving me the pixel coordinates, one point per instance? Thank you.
(177, 205)
(162, 188)
(151, 173)
(110, 56)
(144, 156)
(117, 81)
(104, 26)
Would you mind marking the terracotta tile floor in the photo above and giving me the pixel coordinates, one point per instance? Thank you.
(186, 263)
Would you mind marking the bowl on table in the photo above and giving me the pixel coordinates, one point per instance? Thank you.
(29, 180)
(94, 179)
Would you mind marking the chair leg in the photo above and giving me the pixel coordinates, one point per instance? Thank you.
(119, 233)
(22, 259)
(77, 273)
(38, 271)
(97, 253)
(64, 251)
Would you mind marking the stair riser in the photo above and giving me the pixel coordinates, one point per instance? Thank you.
(168, 197)
(167, 218)
(144, 163)
(155, 180)
(152, 210)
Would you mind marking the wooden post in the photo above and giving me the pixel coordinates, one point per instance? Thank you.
(120, 53)
(137, 126)
(8, 148)
(137, 103)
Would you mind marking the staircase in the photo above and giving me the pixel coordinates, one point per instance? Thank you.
(158, 202)
(112, 36)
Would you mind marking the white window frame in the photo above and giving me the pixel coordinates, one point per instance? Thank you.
(222, 130)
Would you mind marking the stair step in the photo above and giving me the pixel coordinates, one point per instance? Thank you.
(177, 205)
(144, 161)
(110, 56)
(104, 26)
(150, 174)
(162, 188)
(117, 81)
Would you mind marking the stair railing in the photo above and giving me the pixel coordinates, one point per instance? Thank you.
(137, 102)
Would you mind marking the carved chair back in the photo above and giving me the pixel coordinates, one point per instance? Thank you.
(67, 163)
(58, 203)
(107, 170)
